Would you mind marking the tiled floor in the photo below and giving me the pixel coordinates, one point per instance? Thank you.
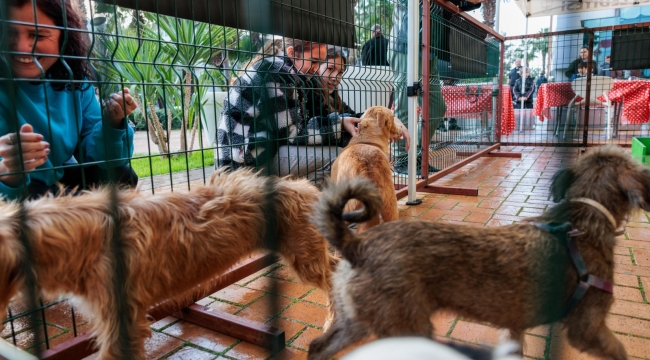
(509, 190)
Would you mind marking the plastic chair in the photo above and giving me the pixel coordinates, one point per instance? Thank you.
(212, 109)
(600, 85)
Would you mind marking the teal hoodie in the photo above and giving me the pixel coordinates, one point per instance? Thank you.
(74, 129)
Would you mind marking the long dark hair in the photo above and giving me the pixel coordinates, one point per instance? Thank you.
(333, 101)
(77, 44)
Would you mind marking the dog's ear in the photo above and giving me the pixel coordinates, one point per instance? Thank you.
(636, 184)
(562, 180)
(381, 117)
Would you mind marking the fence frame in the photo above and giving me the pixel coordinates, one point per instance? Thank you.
(591, 33)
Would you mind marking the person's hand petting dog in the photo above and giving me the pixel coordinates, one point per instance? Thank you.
(114, 111)
(350, 124)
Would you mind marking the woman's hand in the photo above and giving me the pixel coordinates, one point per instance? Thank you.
(114, 110)
(34, 153)
(349, 124)
(404, 135)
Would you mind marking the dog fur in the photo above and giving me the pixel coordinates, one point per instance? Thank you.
(367, 155)
(173, 242)
(394, 276)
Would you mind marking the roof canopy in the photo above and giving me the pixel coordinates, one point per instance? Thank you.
(324, 21)
(534, 8)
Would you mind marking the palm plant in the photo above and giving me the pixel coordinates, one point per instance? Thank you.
(190, 47)
(143, 64)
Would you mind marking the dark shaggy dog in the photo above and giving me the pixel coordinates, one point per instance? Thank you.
(173, 242)
(515, 277)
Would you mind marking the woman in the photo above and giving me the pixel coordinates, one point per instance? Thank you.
(59, 120)
(527, 95)
(582, 59)
(323, 97)
(265, 124)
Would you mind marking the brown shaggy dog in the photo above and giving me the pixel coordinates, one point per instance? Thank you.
(173, 242)
(367, 156)
(396, 275)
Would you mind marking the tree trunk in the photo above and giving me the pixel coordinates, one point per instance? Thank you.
(170, 119)
(162, 141)
(150, 127)
(489, 10)
(186, 109)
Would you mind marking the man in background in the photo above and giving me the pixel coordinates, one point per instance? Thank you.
(375, 50)
(514, 74)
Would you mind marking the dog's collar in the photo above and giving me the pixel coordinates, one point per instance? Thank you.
(598, 206)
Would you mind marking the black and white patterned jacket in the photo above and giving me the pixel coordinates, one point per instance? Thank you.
(264, 109)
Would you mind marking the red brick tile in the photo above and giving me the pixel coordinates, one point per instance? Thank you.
(478, 218)
(626, 280)
(446, 204)
(81, 329)
(190, 353)
(160, 344)
(318, 296)
(455, 215)
(621, 250)
(642, 257)
(642, 234)
(163, 322)
(414, 210)
(27, 339)
(632, 270)
(507, 217)
(633, 224)
(61, 315)
(291, 328)
(490, 203)
(634, 244)
(442, 321)
(248, 351)
(307, 313)
(645, 282)
(224, 307)
(639, 216)
(237, 294)
(627, 293)
(287, 288)
(631, 308)
(628, 325)
(475, 333)
(306, 338)
(623, 260)
(473, 208)
(509, 210)
(498, 222)
(290, 354)
(534, 346)
(542, 330)
(265, 308)
(198, 335)
(635, 346)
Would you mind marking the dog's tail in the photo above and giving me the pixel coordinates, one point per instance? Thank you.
(330, 218)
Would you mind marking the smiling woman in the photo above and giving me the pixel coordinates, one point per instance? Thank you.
(50, 121)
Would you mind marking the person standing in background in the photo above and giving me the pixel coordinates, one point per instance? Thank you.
(375, 50)
(514, 74)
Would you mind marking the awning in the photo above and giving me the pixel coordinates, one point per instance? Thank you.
(324, 21)
(534, 8)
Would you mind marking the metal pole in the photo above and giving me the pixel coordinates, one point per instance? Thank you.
(426, 86)
(585, 133)
(412, 92)
(523, 80)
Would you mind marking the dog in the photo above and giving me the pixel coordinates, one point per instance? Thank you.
(173, 242)
(367, 155)
(394, 276)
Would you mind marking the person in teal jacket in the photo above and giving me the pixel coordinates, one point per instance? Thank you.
(64, 135)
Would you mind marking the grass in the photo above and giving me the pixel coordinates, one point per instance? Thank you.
(178, 162)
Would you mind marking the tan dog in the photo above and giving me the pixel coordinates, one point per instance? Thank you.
(367, 155)
(173, 242)
(396, 275)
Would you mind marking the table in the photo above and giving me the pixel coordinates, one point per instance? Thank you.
(464, 101)
(634, 93)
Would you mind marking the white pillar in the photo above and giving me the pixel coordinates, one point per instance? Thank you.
(412, 55)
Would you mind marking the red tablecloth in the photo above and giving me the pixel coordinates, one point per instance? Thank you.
(463, 101)
(635, 95)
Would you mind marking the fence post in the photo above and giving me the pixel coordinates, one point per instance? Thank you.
(497, 125)
(585, 132)
(412, 93)
(426, 85)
